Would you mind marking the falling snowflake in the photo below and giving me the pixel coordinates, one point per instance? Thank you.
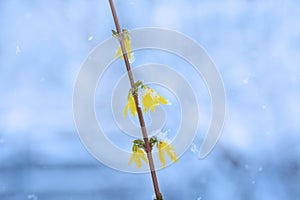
(246, 80)
(194, 148)
(91, 38)
(18, 50)
(32, 197)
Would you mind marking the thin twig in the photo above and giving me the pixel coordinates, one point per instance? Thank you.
(136, 100)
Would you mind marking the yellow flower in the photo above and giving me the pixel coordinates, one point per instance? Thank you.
(151, 99)
(137, 156)
(127, 44)
(130, 105)
(169, 149)
(147, 101)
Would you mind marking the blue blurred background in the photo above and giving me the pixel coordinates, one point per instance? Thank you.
(255, 46)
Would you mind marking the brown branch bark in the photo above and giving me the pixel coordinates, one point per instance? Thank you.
(148, 147)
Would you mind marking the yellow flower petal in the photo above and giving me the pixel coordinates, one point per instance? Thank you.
(137, 156)
(125, 110)
(127, 44)
(130, 105)
(169, 149)
(151, 99)
(147, 102)
(162, 100)
(118, 53)
(142, 155)
(171, 152)
(161, 154)
(134, 158)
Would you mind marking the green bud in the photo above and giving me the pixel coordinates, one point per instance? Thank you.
(153, 141)
(114, 33)
(139, 143)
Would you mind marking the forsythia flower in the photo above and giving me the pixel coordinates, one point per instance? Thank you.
(131, 105)
(137, 155)
(151, 99)
(169, 149)
(127, 44)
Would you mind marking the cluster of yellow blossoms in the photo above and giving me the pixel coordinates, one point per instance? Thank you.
(138, 152)
(150, 99)
(127, 43)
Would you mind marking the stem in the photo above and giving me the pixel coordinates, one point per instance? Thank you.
(148, 147)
